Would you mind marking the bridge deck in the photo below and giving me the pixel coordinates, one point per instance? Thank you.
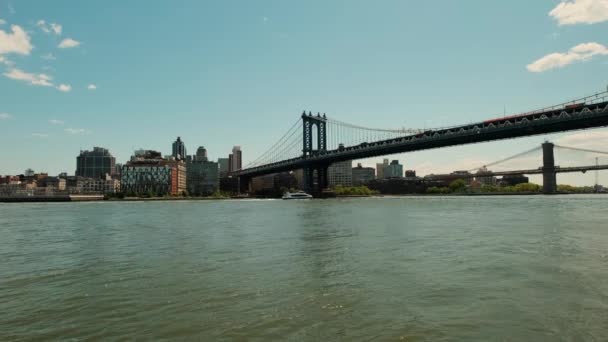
(542, 122)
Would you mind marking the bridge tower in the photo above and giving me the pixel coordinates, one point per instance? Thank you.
(312, 124)
(549, 179)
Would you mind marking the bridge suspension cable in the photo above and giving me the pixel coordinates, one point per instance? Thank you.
(519, 155)
(581, 149)
(274, 152)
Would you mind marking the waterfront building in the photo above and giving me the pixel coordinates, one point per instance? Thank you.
(148, 172)
(340, 173)
(393, 170)
(224, 166)
(410, 174)
(89, 185)
(96, 163)
(362, 175)
(203, 176)
(179, 149)
(52, 182)
(380, 169)
(235, 159)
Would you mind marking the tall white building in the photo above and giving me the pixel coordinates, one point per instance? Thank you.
(340, 173)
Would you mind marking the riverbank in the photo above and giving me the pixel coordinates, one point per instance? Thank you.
(88, 198)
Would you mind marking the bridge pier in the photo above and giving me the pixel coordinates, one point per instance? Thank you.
(314, 184)
(549, 178)
(244, 184)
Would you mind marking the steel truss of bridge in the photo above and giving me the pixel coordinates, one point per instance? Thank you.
(588, 112)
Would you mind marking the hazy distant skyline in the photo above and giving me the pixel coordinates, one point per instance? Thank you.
(130, 75)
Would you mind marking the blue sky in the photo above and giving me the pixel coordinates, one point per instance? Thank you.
(229, 73)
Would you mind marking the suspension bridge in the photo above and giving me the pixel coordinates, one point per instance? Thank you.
(314, 142)
(549, 169)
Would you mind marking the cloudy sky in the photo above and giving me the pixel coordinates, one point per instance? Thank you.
(137, 74)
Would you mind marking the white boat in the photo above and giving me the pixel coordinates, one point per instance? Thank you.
(296, 195)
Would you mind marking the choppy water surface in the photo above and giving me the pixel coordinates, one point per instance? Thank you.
(413, 269)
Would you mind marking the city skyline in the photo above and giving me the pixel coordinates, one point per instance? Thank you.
(384, 75)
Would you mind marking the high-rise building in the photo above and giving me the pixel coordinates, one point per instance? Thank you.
(224, 164)
(380, 169)
(362, 175)
(179, 149)
(235, 159)
(340, 173)
(201, 154)
(393, 170)
(95, 164)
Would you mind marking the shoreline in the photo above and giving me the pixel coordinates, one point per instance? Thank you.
(156, 199)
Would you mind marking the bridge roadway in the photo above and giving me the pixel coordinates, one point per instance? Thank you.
(522, 172)
(540, 122)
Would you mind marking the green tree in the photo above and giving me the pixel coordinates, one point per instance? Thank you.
(458, 185)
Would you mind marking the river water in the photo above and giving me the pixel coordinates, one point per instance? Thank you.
(511, 268)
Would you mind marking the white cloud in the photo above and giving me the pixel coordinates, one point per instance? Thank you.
(53, 27)
(34, 79)
(2, 22)
(92, 87)
(77, 131)
(43, 27)
(6, 61)
(5, 116)
(56, 122)
(16, 42)
(572, 12)
(56, 28)
(68, 43)
(581, 52)
(40, 135)
(49, 57)
(64, 88)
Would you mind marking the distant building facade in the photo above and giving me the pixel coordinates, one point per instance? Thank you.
(95, 164)
(148, 172)
(203, 177)
(410, 174)
(485, 177)
(380, 169)
(224, 166)
(340, 173)
(393, 170)
(201, 154)
(362, 175)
